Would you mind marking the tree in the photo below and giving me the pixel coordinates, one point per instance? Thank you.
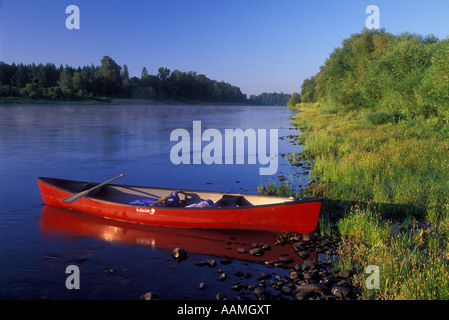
(294, 100)
(144, 73)
(163, 74)
(109, 77)
(66, 84)
(308, 88)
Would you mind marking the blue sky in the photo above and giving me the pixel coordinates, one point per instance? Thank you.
(257, 45)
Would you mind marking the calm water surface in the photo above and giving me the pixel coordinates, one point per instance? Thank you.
(96, 143)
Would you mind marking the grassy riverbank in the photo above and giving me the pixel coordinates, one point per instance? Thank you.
(386, 187)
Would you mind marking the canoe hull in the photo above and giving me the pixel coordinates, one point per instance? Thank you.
(295, 216)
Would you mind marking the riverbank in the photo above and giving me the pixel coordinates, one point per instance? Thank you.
(384, 182)
(109, 101)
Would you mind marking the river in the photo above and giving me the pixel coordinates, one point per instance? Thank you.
(95, 143)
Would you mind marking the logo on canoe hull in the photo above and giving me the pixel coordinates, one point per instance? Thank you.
(150, 211)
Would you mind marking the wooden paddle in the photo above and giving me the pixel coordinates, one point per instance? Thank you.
(80, 195)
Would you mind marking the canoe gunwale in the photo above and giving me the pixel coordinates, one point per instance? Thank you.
(289, 201)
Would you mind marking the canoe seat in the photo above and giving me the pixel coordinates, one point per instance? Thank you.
(230, 201)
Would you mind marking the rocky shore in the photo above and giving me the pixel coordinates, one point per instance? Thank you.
(312, 279)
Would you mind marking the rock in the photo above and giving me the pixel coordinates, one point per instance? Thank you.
(247, 275)
(179, 254)
(261, 293)
(340, 292)
(226, 261)
(150, 296)
(309, 265)
(308, 275)
(258, 252)
(286, 260)
(311, 287)
(200, 263)
(279, 264)
(211, 263)
(109, 271)
(286, 290)
(222, 277)
(237, 286)
(263, 276)
(294, 275)
(345, 274)
(238, 274)
(308, 237)
(303, 254)
(242, 250)
(266, 247)
(280, 242)
(221, 296)
(202, 286)
(303, 295)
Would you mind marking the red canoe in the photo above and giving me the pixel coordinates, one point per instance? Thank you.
(230, 211)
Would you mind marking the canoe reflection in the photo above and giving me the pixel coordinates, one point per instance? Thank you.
(201, 241)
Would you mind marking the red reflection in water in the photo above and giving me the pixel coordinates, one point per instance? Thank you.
(201, 241)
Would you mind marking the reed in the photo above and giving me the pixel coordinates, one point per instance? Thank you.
(391, 176)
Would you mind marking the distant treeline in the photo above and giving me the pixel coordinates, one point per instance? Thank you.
(270, 99)
(109, 80)
(398, 76)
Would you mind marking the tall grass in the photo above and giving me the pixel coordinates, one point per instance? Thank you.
(403, 163)
(392, 167)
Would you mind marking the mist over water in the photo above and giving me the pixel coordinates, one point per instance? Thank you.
(95, 143)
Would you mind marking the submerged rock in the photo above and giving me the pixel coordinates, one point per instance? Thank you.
(258, 252)
(211, 263)
(261, 293)
(179, 254)
(150, 296)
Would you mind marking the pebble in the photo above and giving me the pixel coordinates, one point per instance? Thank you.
(221, 296)
(309, 265)
(294, 275)
(340, 292)
(303, 254)
(258, 252)
(238, 274)
(306, 280)
(150, 296)
(109, 271)
(226, 261)
(211, 263)
(179, 254)
(286, 260)
(261, 293)
(222, 277)
(263, 276)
